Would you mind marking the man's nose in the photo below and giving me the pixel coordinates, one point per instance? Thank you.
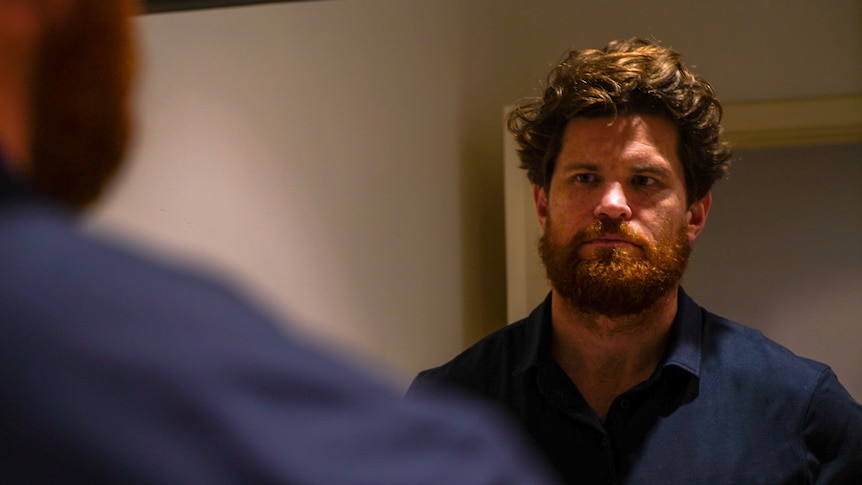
(613, 204)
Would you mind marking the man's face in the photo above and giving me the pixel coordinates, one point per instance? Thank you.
(617, 229)
(80, 100)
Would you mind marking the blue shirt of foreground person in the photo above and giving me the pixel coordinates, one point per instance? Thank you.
(118, 369)
(619, 376)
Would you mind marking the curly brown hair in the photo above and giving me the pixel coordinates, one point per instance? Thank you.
(634, 76)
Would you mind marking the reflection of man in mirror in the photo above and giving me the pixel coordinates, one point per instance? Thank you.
(619, 376)
(118, 369)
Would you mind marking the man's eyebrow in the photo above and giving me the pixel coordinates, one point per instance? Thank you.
(580, 166)
(651, 168)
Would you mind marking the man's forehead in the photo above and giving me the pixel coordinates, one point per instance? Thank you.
(629, 133)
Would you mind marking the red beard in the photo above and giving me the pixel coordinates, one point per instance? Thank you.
(81, 97)
(615, 282)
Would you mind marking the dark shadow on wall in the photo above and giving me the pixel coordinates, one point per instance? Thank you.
(487, 84)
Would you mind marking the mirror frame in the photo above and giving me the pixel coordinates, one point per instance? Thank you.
(158, 6)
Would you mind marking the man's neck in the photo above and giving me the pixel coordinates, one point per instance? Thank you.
(606, 356)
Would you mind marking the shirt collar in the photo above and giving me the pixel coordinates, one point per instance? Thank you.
(684, 345)
(684, 342)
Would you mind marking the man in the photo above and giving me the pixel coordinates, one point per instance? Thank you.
(618, 375)
(118, 369)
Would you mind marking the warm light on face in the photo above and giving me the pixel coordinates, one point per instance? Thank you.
(615, 235)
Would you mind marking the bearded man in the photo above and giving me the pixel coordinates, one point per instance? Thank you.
(117, 368)
(619, 376)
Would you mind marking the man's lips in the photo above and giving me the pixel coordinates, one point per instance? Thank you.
(610, 240)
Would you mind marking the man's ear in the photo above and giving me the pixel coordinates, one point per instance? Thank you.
(696, 216)
(540, 198)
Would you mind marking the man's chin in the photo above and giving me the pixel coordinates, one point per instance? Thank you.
(615, 282)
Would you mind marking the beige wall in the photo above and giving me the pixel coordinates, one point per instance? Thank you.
(342, 158)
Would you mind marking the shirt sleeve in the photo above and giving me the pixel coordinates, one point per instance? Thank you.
(833, 433)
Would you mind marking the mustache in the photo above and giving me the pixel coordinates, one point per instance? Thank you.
(606, 227)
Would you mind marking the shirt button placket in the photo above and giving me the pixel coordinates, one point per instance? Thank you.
(606, 445)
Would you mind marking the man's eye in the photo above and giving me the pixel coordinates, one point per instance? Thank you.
(585, 178)
(643, 181)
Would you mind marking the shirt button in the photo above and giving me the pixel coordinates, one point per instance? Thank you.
(606, 442)
(625, 404)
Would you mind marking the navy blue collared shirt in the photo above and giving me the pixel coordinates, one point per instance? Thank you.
(726, 405)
